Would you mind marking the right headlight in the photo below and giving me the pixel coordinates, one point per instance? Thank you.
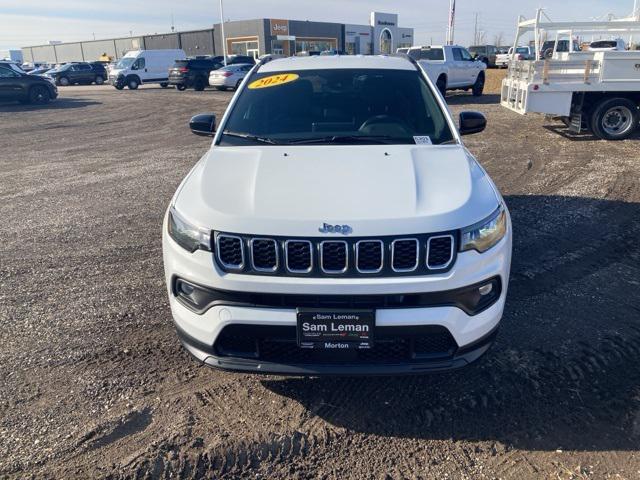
(484, 235)
(188, 236)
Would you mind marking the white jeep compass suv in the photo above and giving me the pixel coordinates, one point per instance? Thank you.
(337, 225)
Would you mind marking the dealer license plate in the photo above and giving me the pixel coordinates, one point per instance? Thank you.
(335, 329)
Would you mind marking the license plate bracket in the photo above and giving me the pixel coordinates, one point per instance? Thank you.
(335, 329)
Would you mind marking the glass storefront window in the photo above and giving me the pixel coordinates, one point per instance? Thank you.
(316, 45)
(242, 48)
(385, 42)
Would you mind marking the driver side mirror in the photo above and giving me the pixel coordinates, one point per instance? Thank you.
(203, 124)
(472, 122)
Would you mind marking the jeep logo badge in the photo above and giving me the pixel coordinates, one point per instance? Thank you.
(343, 229)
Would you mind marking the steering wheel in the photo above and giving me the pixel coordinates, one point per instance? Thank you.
(384, 119)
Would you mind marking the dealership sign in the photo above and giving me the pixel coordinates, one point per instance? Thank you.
(279, 27)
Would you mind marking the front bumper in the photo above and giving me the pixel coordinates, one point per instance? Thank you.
(471, 335)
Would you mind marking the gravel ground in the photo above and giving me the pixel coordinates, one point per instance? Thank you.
(95, 384)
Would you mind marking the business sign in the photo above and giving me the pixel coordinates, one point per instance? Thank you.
(279, 27)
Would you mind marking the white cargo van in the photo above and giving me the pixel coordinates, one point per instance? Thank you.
(144, 66)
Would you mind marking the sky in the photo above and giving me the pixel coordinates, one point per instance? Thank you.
(35, 22)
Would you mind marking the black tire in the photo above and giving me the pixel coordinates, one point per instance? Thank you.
(164, 85)
(478, 87)
(441, 85)
(181, 86)
(199, 84)
(614, 119)
(133, 83)
(64, 82)
(238, 84)
(119, 87)
(221, 88)
(548, 53)
(39, 95)
(99, 79)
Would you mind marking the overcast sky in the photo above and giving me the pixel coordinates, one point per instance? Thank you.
(33, 22)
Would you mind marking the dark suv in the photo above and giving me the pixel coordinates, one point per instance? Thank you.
(194, 72)
(18, 86)
(78, 73)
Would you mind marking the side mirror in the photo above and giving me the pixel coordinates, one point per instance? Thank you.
(472, 122)
(203, 124)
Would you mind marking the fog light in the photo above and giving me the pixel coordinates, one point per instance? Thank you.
(185, 288)
(485, 289)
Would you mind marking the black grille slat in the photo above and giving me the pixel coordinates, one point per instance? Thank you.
(369, 256)
(439, 251)
(405, 255)
(392, 345)
(230, 251)
(264, 254)
(299, 256)
(334, 256)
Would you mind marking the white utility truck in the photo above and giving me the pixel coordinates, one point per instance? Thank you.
(451, 67)
(593, 91)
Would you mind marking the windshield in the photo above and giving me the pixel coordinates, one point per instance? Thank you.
(604, 44)
(476, 49)
(524, 50)
(369, 106)
(125, 63)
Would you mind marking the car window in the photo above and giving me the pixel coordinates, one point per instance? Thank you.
(465, 54)
(427, 54)
(457, 54)
(84, 67)
(8, 73)
(313, 105)
(139, 63)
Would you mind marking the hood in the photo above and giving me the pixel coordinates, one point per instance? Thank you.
(377, 190)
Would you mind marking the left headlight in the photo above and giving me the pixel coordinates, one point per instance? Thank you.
(188, 236)
(484, 235)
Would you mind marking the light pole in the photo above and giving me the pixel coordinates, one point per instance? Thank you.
(224, 39)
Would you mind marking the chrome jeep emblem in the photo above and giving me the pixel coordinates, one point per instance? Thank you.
(343, 229)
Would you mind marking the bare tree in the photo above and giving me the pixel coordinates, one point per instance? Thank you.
(481, 37)
(498, 39)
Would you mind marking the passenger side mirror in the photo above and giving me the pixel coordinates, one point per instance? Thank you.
(203, 124)
(472, 122)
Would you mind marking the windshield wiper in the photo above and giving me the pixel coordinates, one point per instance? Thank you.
(248, 136)
(383, 139)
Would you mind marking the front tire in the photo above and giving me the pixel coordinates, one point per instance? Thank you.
(164, 85)
(133, 83)
(615, 119)
(478, 87)
(64, 82)
(39, 95)
(99, 80)
(119, 87)
(181, 87)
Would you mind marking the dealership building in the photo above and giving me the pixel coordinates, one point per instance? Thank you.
(244, 37)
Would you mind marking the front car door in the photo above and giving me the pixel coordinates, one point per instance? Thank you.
(140, 68)
(471, 67)
(85, 73)
(458, 70)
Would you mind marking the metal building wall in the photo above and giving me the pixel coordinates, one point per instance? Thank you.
(27, 56)
(162, 41)
(123, 45)
(69, 52)
(299, 28)
(93, 50)
(44, 53)
(242, 28)
(197, 43)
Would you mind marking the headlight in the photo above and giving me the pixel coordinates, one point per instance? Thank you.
(484, 235)
(188, 236)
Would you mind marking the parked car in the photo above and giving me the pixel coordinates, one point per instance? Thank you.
(39, 71)
(192, 73)
(451, 67)
(138, 67)
(608, 45)
(24, 88)
(563, 46)
(337, 225)
(77, 73)
(484, 53)
(229, 77)
(522, 53)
